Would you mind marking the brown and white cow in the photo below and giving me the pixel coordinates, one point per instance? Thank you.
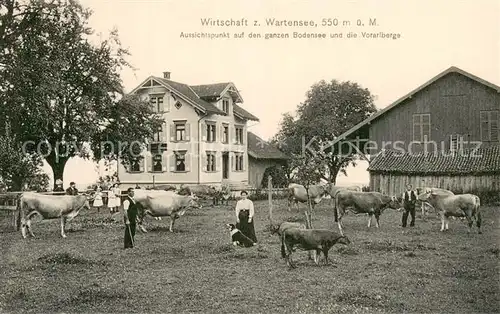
(371, 203)
(297, 193)
(65, 207)
(460, 205)
(163, 204)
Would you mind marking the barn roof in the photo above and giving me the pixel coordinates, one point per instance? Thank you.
(377, 114)
(481, 161)
(260, 149)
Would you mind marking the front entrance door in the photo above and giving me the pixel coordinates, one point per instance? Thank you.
(225, 165)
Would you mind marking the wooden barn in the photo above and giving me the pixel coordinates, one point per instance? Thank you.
(445, 134)
(261, 155)
(471, 170)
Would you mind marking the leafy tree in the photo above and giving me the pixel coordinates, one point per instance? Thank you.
(278, 174)
(18, 169)
(330, 109)
(59, 90)
(308, 172)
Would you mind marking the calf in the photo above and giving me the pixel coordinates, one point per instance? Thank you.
(320, 240)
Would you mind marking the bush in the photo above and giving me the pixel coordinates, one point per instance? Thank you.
(279, 177)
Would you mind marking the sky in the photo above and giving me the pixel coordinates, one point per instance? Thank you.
(274, 75)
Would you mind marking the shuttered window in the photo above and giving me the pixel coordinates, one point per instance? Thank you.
(490, 129)
(210, 162)
(421, 127)
(456, 142)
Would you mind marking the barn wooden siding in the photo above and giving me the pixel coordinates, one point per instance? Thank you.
(465, 96)
(394, 184)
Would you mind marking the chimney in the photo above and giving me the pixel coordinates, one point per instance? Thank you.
(166, 75)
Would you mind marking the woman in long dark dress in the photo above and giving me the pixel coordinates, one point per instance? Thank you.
(244, 216)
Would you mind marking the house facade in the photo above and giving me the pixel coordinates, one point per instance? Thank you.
(203, 139)
(444, 133)
(262, 155)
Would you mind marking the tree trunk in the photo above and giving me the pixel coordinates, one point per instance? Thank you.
(57, 163)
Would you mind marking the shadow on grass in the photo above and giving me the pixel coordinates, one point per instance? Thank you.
(390, 246)
(68, 259)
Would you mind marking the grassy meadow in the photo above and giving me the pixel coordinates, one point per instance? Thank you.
(197, 270)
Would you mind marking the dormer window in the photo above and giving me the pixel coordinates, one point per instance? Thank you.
(225, 105)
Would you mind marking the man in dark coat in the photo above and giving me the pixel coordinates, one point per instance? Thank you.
(72, 189)
(130, 211)
(409, 200)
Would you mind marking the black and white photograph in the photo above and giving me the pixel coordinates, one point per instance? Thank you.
(232, 156)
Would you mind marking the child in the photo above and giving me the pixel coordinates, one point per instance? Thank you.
(98, 198)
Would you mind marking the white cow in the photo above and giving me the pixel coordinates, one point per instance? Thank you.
(461, 205)
(65, 207)
(167, 203)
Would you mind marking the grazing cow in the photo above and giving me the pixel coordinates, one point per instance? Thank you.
(460, 205)
(286, 225)
(164, 204)
(65, 207)
(320, 240)
(297, 193)
(372, 203)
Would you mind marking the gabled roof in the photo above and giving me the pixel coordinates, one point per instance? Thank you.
(260, 149)
(209, 90)
(216, 90)
(196, 95)
(377, 114)
(481, 161)
(243, 114)
(189, 93)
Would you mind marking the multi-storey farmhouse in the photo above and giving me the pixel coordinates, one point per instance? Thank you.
(204, 138)
(445, 133)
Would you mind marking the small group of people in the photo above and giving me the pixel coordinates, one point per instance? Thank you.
(244, 217)
(113, 195)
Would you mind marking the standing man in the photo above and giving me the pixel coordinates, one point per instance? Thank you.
(409, 200)
(130, 208)
(72, 189)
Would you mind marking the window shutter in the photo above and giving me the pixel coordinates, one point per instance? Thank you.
(218, 162)
(159, 105)
(494, 126)
(204, 162)
(172, 162)
(221, 131)
(243, 136)
(188, 132)
(203, 131)
(167, 101)
(187, 162)
(164, 132)
(233, 162)
(150, 163)
(243, 162)
(216, 132)
(164, 162)
(141, 165)
(233, 135)
(172, 132)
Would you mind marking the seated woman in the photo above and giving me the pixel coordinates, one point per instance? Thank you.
(244, 216)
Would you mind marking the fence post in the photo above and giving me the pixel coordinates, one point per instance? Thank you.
(270, 197)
